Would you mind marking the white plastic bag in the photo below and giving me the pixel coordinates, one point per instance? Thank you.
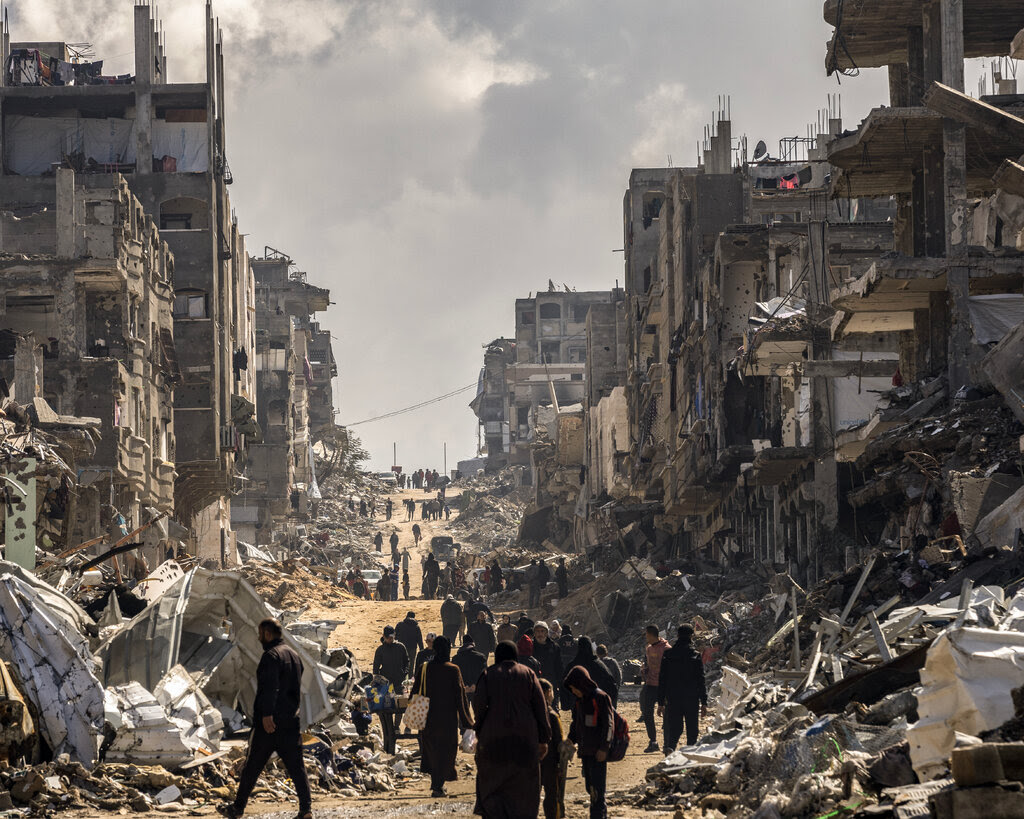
(468, 743)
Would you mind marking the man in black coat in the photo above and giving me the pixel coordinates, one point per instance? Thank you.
(562, 579)
(276, 722)
(391, 661)
(682, 693)
(409, 635)
(470, 662)
(482, 633)
(451, 618)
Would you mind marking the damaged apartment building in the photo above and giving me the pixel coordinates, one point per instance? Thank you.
(128, 284)
(530, 401)
(293, 365)
(86, 342)
(792, 321)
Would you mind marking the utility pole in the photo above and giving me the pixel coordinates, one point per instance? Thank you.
(394, 455)
(445, 457)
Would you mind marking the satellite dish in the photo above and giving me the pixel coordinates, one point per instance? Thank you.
(760, 149)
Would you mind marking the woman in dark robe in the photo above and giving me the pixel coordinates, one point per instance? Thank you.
(512, 733)
(597, 670)
(448, 714)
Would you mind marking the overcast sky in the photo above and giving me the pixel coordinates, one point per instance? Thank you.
(430, 162)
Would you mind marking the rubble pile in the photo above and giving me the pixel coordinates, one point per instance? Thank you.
(150, 711)
(292, 583)
(489, 515)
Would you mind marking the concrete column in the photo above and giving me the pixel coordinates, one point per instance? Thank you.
(899, 85)
(143, 90)
(28, 369)
(915, 66)
(66, 228)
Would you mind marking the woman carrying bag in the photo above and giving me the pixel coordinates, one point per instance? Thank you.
(440, 681)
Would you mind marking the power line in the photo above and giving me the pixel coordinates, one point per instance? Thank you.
(420, 405)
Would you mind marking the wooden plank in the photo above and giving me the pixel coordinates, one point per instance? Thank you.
(1010, 177)
(883, 647)
(812, 671)
(857, 589)
(837, 668)
(958, 106)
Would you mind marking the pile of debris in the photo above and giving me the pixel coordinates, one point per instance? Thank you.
(490, 509)
(139, 712)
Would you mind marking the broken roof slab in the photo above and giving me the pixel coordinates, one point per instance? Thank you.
(903, 283)
(778, 464)
(879, 157)
(873, 33)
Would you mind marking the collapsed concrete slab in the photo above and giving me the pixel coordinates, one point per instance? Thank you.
(43, 638)
(206, 622)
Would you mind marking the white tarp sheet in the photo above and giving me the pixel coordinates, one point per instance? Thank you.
(42, 638)
(185, 141)
(966, 683)
(992, 317)
(34, 144)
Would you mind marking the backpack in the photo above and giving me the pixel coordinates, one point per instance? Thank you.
(620, 738)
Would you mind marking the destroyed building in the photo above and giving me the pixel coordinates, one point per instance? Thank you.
(86, 333)
(167, 140)
(279, 471)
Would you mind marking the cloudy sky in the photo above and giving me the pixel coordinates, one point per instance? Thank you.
(432, 161)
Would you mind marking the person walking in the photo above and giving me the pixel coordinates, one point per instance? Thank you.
(406, 558)
(470, 662)
(547, 654)
(388, 507)
(513, 733)
(562, 579)
(393, 540)
(551, 777)
(482, 633)
(533, 582)
(391, 661)
(495, 578)
(408, 634)
(451, 618)
(596, 670)
(275, 722)
(431, 576)
(650, 669)
(417, 533)
(405, 583)
(383, 590)
(682, 692)
(427, 654)
(506, 632)
(394, 583)
(378, 542)
(441, 682)
(592, 728)
(611, 664)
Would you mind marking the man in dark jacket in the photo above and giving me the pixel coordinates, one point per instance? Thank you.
(524, 623)
(562, 579)
(533, 580)
(451, 618)
(482, 633)
(547, 654)
(431, 575)
(470, 662)
(682, 693)
(276, 721)
(391, 661)
(408, 634)
(592, 731)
